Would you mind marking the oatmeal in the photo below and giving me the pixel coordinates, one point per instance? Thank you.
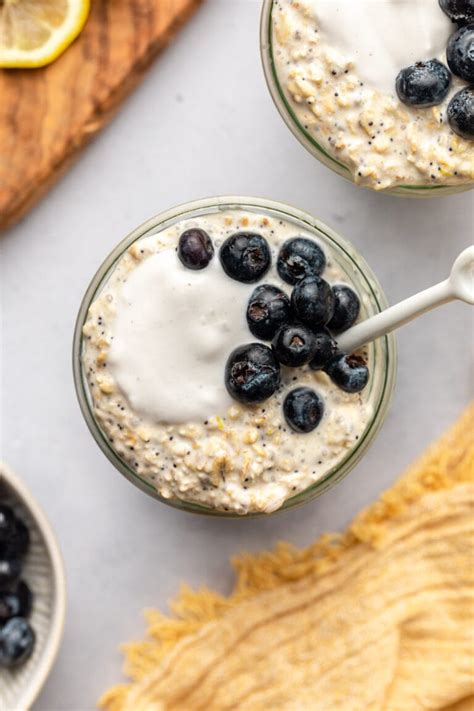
(155, 345)
(337, 61)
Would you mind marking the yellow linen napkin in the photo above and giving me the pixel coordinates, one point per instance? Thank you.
(379, 618)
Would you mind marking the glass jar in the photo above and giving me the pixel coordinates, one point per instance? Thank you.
(381, 353)
(307, 140)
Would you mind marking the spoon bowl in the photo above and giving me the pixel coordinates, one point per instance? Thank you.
(461, 278)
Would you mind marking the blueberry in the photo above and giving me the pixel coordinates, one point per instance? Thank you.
(461, 113)
(245, 256)
(459, 11)
(252, 373)
(17, 544)
(303, 409)
(346, 308)
(348, 372)
(10, 569)
(313, 302)
(195, 249)
(300, 257)
(324, 349)
(294, 345)
(7, 523)
(267, 310)
(17, 640)
(16, 602)
(423, 84)
(460, 53)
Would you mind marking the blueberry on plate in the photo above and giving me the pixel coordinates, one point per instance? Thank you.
(325, 348)
(18, 543)
(245, 256)
(252, 373)
(300, 257)
(17, 640)
(294, 345)
(423, 84)
(15, 602)
(21, 539)
(459, 11)
(303, 409)
(460, 53)
(10, 570)
(313, 302)
(346, 308)
(7, 523)
(348, 372)
(195, 249)
(268, 309)
(461, 113)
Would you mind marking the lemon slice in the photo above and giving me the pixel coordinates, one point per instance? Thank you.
(35, 32)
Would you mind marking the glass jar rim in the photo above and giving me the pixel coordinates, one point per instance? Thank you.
(170, 216)
(317, 151)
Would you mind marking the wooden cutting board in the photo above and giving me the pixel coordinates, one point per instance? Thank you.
(47, 115)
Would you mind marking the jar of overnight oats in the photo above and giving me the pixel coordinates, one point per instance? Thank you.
(331, 67)
(153, 341)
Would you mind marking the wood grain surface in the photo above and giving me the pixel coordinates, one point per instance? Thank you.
(47, 115)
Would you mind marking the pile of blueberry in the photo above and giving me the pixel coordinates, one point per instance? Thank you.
(301, 328)
(427, 83)
(17, 638)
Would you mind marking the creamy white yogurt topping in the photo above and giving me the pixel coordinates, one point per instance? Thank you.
(174, 331)
(384, 36)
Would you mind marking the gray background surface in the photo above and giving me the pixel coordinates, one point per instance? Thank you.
(202, 123)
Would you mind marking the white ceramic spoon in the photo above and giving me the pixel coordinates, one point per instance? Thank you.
(459, 285)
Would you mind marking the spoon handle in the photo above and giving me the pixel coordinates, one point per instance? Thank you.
(395, 316)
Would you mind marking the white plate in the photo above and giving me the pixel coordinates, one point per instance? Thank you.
(44, 572)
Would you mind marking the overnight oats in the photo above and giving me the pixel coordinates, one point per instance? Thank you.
(381, 91)
(206, 358)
